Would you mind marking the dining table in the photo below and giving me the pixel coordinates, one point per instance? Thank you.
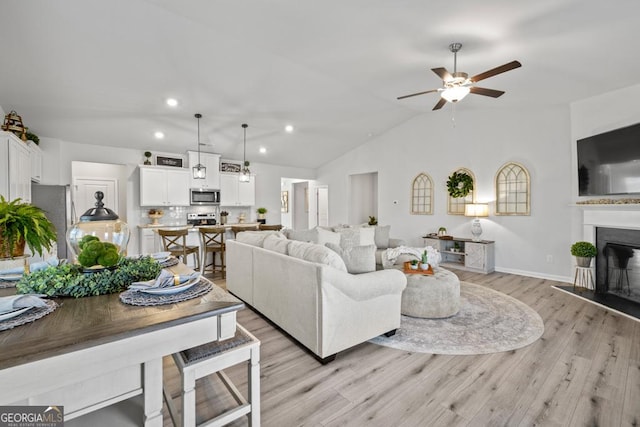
(93, 352)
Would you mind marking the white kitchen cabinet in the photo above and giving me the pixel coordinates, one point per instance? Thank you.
(164, 186)
(465, 253)
(236, 193)
(212, 163)
(35, 153)
(15, 168)
(149, 241)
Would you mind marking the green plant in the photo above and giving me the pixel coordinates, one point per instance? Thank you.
(414, 262)
(425, 258)
(69, 280)
(147, 154)
(459, 184)
(22, 223)
(583, 249)
(33, 137)
(373, 220)
(442, 229)
(261, 210)
(224, 213)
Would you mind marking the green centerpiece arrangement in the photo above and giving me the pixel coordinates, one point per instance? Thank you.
(70, 280)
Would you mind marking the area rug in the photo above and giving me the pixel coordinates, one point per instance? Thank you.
(488, 322)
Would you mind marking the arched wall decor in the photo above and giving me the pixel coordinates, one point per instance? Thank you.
(422, 195)
(455, 205)
(513, 190)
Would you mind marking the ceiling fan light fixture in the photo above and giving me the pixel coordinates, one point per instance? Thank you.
(199, 171)
(456, 93)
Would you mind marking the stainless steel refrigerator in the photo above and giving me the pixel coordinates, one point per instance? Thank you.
(55, 200)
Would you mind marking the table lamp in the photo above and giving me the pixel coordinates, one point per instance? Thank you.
(476, 210)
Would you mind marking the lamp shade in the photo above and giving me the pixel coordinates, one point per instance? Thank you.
(476, 209)
(455, 93)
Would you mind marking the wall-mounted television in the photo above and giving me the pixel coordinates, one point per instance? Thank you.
(609, 163)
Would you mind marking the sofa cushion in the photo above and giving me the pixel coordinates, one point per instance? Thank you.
(316, 253)
(356, 237)
(277, 243)
(303, 235)
(358, 259)
(255, 238)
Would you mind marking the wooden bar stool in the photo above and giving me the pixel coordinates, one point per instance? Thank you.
(240, 228)
(207, 359)
(276, 227)
(212, 239)
(175, 241)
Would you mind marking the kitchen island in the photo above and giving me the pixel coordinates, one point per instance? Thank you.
(95, 351)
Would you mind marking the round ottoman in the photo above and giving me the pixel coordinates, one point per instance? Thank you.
(431, 296)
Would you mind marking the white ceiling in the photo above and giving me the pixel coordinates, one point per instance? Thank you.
(98, 72)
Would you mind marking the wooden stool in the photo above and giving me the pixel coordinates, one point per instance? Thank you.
(583, 278)
(240, 228)
(175, 241)
(212, 239)
(207, 359)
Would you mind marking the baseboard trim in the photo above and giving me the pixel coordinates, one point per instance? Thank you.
(535, 274)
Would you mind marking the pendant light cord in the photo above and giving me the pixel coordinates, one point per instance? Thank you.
(198, 115)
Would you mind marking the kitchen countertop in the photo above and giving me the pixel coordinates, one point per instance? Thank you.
(178, 226)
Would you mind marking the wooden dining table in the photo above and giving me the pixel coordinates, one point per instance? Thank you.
(95, 351)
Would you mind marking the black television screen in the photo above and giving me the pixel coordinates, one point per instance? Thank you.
(609, 163)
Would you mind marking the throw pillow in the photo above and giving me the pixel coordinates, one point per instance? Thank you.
(315, 253)
(358, 259)
(326, 236)
(277, 243)
(381, 236)
(356, 237)
(254, 238)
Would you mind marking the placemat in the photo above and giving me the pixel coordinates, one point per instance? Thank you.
(28, 316)
(8, 284)
(132, 297)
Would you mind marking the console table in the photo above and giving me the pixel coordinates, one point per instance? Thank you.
(465, 253)
(95, 351)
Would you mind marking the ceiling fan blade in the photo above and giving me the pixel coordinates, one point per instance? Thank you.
(416, 94)
(443, 74)
(440, 104)
(486, 92)
(494, 71)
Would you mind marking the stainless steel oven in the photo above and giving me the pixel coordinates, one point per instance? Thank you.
(204, 196)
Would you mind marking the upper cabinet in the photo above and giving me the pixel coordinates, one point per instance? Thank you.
(36, 161)
(15, 168)
(164, 186)
(209, 161)
(236, 193)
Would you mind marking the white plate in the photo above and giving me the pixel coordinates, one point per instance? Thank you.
(161, 256)
(171, 289)
(10, 277)
(14, 313)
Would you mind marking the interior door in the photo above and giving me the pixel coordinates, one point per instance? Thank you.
(83, 194)
(323, 206)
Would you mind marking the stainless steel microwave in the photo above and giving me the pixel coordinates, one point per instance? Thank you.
(204, 196)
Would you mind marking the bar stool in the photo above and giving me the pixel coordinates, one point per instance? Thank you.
(207, 359)
(276, 227)
(175, 241)
(212, 239)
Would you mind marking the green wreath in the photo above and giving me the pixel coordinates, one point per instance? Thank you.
(459, 184)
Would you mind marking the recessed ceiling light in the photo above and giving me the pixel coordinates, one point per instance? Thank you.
(288, 128)
(158, 135)
(172, 102)
(263, 150)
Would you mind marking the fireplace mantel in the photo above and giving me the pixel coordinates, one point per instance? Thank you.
(610, 215)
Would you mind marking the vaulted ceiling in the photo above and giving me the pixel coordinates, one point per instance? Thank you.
(98, 72)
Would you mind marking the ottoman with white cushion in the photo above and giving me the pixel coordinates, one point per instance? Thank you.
(431, 296)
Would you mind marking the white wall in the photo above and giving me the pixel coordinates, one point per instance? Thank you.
(482, 141)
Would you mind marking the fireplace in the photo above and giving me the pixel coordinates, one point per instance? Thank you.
(618, 262)
(615, 230)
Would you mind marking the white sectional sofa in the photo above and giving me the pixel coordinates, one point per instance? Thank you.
(310, 295)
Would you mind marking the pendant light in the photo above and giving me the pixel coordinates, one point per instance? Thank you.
(199, 171)
(245, 176)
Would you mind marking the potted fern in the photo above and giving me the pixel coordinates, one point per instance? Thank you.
(584, 252)
(24, 224)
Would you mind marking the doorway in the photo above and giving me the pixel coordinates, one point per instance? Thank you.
(87, 178)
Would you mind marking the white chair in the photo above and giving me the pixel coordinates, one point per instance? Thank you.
(207, 359)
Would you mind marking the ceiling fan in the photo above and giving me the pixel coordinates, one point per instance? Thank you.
(458, 85)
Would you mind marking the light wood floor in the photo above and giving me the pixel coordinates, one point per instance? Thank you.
(583, 371)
